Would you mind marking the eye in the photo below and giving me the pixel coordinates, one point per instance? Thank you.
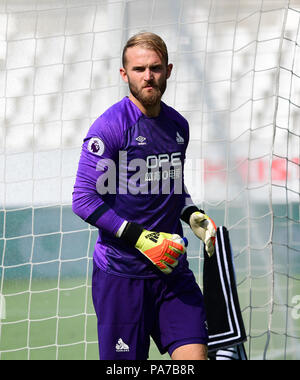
(156, 69)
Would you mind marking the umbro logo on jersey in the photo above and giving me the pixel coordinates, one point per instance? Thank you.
(121, 346)
(141, 140)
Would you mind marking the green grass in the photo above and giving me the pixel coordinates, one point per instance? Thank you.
(51, 323)
(55, 319)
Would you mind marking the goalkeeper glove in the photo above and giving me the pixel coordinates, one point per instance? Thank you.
(205, 229)
(159, 247)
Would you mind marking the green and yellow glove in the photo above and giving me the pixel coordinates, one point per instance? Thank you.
(162, 249)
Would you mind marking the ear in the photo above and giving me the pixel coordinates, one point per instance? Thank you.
(169, 70)
(123, 74)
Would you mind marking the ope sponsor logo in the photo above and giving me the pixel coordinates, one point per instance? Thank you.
(296, 308)
(156, 174)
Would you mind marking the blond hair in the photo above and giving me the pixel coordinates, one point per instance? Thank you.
(149, 41)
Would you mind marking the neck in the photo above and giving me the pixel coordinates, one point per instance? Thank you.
(150, 111)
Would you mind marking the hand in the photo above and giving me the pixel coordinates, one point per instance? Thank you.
(205, 229)
(160, 249)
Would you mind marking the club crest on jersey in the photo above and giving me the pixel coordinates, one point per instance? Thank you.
(96, 146)
(179, 139)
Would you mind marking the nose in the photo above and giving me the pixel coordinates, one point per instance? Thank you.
(148, 75)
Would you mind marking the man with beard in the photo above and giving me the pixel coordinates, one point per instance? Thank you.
(142, 286)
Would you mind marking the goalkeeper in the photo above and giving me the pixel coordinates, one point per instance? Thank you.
(130, 186)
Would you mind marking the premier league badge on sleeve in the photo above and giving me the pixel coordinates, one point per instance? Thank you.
(96, 146)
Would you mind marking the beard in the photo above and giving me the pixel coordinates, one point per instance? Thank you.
(148, 99)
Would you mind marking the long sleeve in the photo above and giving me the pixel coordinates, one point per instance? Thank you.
(99, 154)
(189, 207)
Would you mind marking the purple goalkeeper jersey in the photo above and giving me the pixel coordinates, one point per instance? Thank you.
(131, 168)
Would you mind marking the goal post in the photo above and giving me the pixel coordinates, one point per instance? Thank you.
(236, 79)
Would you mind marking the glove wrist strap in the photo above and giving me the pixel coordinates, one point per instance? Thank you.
(131, 233)
(185, 216)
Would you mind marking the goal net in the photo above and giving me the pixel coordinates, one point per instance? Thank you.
(236, 80)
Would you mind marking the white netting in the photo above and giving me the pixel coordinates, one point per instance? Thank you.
(236, 79)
